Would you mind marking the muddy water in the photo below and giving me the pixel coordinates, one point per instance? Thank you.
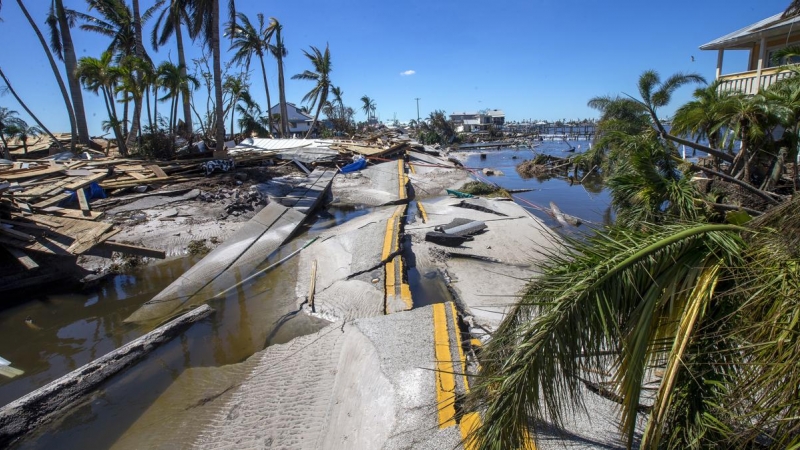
(589, 201)
(71, 330)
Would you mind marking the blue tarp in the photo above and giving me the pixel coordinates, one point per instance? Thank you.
(92, 191)
(354, 167)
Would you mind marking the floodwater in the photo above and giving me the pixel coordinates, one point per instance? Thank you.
(152, 403)
(72, 329)
(589, 201)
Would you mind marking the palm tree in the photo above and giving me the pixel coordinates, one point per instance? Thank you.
(123, 25)
(168, 23)
(22, 131)
(318, 95)
(704, 116)
(236, 87)
(176, 83)
(247, 41)
(7, 119)
(101, 77)
(338, 101)
(59, 21)
(705, 312)
(205, 23)
(279, 51)
(368, 107)
(56, 73)
(27, 110)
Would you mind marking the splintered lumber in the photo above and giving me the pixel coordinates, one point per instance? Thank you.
(135, 250)
(22, 258)
(16, 234)
(85, 181)
(72, 236)
(27, 173)
(23, 415)
(83, 202)
(52, 201)
(157, 170)
(73, 213)
(89, 239)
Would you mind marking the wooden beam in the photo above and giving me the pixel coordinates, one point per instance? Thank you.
(136, 250)
(17, 234)
(83, 202)
(157, 170)
(22, 258)
(52, 201)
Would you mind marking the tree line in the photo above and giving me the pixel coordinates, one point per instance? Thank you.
(132, 85)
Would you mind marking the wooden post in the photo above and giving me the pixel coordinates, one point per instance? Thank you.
(762, 52)
(313, 286)
(720, 54)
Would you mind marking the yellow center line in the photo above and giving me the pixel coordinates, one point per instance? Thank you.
(461, 358)
(401, 179)
(411, 168)
(445, 381)
(422, 210)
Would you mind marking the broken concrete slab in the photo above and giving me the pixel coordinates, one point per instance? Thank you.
(353, 262)
(507, 250)
(234, 259)
(378, 185)
(431, 176)
(239, 255)
(353, 385)
(153, 201)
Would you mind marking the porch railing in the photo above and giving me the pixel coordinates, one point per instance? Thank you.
(747, 82)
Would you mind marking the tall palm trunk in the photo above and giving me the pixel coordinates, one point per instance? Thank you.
(220, 127)
(155, 106)
(149, 109)
(27, 110)
(71, 64)
(112, 115)
(137, 99)
(187, 110)
(6, 154)
(316, 116)
(57, 73)
(282, 94)
(266, 88)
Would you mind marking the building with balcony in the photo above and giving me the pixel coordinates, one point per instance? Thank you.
(762, 39)
(480, 121)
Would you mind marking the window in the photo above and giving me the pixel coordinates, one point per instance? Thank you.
(770, 62)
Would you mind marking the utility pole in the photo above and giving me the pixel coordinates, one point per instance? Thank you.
(417, 99)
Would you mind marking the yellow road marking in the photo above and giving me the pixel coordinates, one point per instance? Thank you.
(394, 267)
(411, 168)
(469, 423)
(424, 213)
(445, 381)
(476, 342)
(401, 179)
(457, 332)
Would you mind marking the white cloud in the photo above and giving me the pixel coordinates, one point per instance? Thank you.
(407, 73)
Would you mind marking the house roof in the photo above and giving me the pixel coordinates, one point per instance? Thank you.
(497, 113)
(744, 38)
(464, 114)
(295, 115)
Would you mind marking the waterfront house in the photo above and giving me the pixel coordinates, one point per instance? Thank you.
(480, 121)
(299, 122)
(762, 39)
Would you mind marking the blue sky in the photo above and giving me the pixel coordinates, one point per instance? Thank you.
(540, 59)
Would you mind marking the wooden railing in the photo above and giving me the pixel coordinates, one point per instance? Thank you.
(747, 83)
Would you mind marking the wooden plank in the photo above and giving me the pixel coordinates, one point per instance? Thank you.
(22, 175)
(129, 249)
(157, 170)
(85, 181)
(17, 234)
(89, 239)
(139, 176)
(74, 213)
(40, 219)
(52, 201)
(83, 201)
(22, 258)
(21, 224)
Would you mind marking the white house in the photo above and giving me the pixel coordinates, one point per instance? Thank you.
(761, 40)
(299, 122)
